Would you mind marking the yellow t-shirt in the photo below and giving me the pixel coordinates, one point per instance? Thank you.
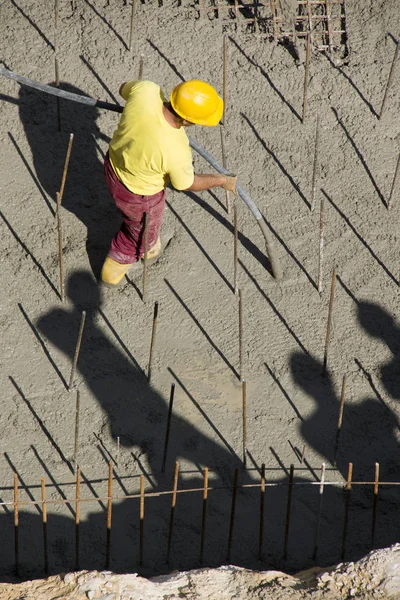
(146, 153)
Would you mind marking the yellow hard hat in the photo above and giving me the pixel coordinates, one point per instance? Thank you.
(197, 102)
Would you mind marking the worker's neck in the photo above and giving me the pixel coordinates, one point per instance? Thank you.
(170, 117)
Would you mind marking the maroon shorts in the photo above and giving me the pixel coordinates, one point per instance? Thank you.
(127, 245)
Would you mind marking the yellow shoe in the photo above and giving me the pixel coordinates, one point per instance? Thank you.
(155, 250)
(113, 271)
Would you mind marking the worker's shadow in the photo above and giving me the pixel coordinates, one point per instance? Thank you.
(86, 194)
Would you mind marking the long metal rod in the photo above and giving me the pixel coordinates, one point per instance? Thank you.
(224, 73)
(77, 516)
(346, 509)
(141, 526)
(171, 403)
(65, 170)
(340, 418)
(321, 243)
(76, 441)
(389, 81)
(262, 500)
(146, 248)
(275, 264)
(329, 323)
(374, 504)
(16, 526)
(240, 314)
(227, 194)
(315, 165)
(173, 506)
(288, 511)
(204, 515)
(306, 76)
(109, 513)
(44, 520)
(131, 24)
(153, 340)
(77, 349)
(60, 248)
(233, 508)
(321, 497)
(235, 247)
(244, 421)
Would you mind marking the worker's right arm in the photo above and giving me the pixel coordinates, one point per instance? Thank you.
(208, 181)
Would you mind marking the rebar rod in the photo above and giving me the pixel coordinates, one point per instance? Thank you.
(328, 24)
(173, 507)
(44, 520)
(374, 504)
(288, 511)
(56, 65)
(232, 517)
(235, 247)
(306, 76)
(109, 513)
(204, 515)
(131, 24)
(240, 314)
(389, 81)
(321, 243)
(346, 509)
(224, 74)
(77, 350)
(262, 499)
(140, 72)
(60, 249)
(340, 418)
(153, 340)
(141, 526)
(146, 247)
(329, 323)
(227, 195)
(16, 526)
(77, 515)
(65, 170)
(171, 403)
(88, 101)
(76, 441)
(244, 422)
(321, 496)
(315, 164)
(396, 174)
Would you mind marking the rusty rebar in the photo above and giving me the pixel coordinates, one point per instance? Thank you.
(141, 526)
(346, 508)
(44, 520)
(65, 170)
(321, 243)
(232, 518)
(262, 500)
(235, 247)
(171, 403)
(146, 248)
(244, 421)
(109, 513)
(204, 515)
(153, 340)
(306, 76)
(240, 314)
(389, 81)
(227, 194)
(76, 441)
(77, 515)
(321, 496)
(224, 74)
(131, 24)
(396, 174)
(16, 526)
(374, 504)
(77, 350)
(60, 249)
(340, 418)
(315, 165)
(173, 506)
(329, 323)
(288, 511)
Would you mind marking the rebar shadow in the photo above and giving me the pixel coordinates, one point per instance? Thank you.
(203, 331)
(268, 78)
(169, 63)
(33, 24)
(201, 248)
(364, 243)
(362, 159)
(276, 159)
(284, 392)
(115, 32)
(99, 79)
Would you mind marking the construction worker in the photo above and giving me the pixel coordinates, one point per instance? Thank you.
(149, 150)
